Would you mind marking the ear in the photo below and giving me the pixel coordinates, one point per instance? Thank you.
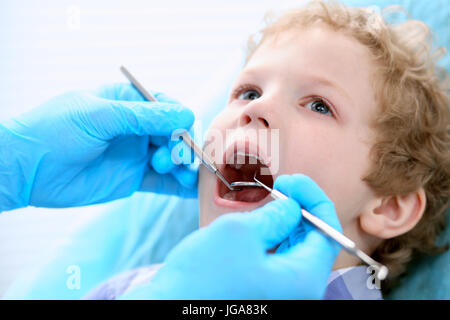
(389, 217)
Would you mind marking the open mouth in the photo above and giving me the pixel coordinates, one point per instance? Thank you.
(244, 168)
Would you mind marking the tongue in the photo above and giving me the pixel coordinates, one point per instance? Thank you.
(246, 195)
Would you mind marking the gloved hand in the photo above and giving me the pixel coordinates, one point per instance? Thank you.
(82, 148)
(229, 259)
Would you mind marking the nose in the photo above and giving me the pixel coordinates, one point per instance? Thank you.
(256, 113)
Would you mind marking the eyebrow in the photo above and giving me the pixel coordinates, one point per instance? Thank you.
(328, 83)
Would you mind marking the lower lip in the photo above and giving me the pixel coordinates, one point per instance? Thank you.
(235, 205)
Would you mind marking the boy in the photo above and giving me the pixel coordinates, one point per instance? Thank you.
(359, 108)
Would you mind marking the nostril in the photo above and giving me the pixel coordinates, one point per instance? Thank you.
(264, 121)
(245, 120)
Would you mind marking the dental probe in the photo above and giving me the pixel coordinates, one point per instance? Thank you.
(205, 159)
(185, 135)
(137, 85)
(381, 270)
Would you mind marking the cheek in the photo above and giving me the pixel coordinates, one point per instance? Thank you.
(224, 119)
(202, 195)
(206, 183)
(310, 148)
(336, 161)
(214, 144)
(219, 125)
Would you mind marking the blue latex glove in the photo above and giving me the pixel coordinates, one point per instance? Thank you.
(82, 148)
(229, 259)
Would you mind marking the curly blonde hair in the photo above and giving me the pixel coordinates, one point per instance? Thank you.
(412, 126)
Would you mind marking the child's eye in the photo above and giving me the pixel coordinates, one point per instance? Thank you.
(319, 106)
(249, 95)
(246, 92)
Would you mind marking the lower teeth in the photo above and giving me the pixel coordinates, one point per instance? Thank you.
(230, 196)
(246, 195)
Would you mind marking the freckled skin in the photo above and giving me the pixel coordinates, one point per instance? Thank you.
(331, 149)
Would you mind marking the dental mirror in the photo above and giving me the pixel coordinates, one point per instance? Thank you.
(244, 184)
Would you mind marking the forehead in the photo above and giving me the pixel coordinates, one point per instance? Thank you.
(318, 45)
(312, 53)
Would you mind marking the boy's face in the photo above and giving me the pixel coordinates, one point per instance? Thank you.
(314, 87)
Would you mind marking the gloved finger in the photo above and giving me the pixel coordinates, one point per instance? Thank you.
(297, 235)
(181, 153)
(187, 176)
(165, 158)
(310, 197)
(139, 118)
(320, 253)
(166, 184)
(162, 161)
(317, 247)
(159, 140)
(162, 97)
(314, 246)
(273, 222)
(119, 91)
(305, 265)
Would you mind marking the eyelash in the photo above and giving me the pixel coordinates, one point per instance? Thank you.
(319, 99)
(242, 88)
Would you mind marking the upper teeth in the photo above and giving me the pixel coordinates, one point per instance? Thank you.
(250, 156)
